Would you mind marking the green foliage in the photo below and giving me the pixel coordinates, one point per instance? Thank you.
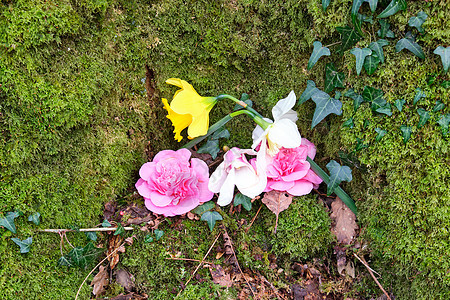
(308, 92)
(80, 257)
(393, 7)
(338, 174)
(438, 106)
(419, 95)
(444, 122)
(91, 235)
(24, 245)
(325, 4)
(325, 105)
(35, 218)
(349, 37)
(317, 53)
(244, 200)
(204, 207)
(211, 217)
(354, 14)
(357, 99)
(120, 230)
(212, 144)
(399, 104)
(406, 133)
(410, 44)
(418, 21)
(380, 133)
(424, 117)
(371, 63)
(377, 47)
(384, 31)
(106, 223)
(333, 78)
(8, 221)
(444, 53)
(360, 55)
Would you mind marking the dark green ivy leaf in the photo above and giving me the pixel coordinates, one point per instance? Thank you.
(392, 8)
(211, 217)
(325, 105)
(360, 144)
(309, 91)
(380, 133)
(371, 63)
(373, 5)
(8, 221)
(105, 223)
(81, 256)
(333, 78)
(371, 94)
(245, 201)
(211, 146)
(418, 21)
(325, 4)
(35, 218)
(204, 207)
(24, 245)
(338, 174)
(406, 133)
(424, 116)
(399, 104)
(419, 95)
(385, 109)
(444, 121)
(349, 123)
(439, 105)
(158, 234)
(411, 45)
(349, 37)
(354, 14)
(360, 55)
(444, 53)
(119, 230)
(91, 235)
(63, 261)
(148, 239)
(317, 53)
(384, 30)
(377, 47)
(221, 133)
(357, 98)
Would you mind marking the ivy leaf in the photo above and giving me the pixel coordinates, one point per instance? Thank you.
(399, 104)
(419, 95)
(360, 55)
(338, 174)
(445, 84)
(91, 235)
(119, 230)
(444, 121)
(349, 37)
(384, 30)
(357, 99)
(392, 8)
(373, 5)
(385, 109)
(333, 78)
(410, 44)
(349, 123)
(35, 218)
(81, 256)
(380, 133)
(63, 261)
(244, 200)
(148, 239)
(354, 14)
(418, 21)
(211, 146)
(204, 207)
(424, 116)
(8, 221)
(309, 91)
(325, 4)
(325, 105)
(158, 234)
(439, 105)
(360, 144)
(211, 217)
(24, 245)
(221, 133)
(377, 47)
(406, 133)
(444, 53)
(317, 53)
(371, 94)
(105, 223)
(371, 63)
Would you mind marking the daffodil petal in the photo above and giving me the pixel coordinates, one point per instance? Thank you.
(283, 106)
(175, 81)
(284, 133)
(199, 126)
(179, 122)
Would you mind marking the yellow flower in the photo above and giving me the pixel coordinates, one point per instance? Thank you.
(188, 109)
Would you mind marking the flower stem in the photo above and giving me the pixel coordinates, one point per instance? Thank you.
(241, 103)
(338, 191)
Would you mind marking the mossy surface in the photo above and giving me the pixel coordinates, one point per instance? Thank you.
(77, 120)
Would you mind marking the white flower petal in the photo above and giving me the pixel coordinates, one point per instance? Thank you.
(283, 106)
(249, 183)
(227, 190)
(217, 178)
(284, 133)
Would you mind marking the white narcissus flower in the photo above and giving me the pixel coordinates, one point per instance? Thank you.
(235, 170)
(282, 132)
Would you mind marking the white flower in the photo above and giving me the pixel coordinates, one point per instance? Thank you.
(282, 132)
(235, 170)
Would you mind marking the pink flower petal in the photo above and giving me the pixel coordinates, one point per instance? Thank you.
(159, 199)
(311, 148)
(281, 185)
(143, 188)
(300, 188)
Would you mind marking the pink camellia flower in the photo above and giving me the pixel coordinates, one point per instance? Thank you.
(171, 185)
(289, 171)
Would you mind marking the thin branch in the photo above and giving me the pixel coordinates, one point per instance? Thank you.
(363, 261)
(188, 259)
(253, 220)
(65, 235)
(84, 229)
(367, 266)
(333, 44)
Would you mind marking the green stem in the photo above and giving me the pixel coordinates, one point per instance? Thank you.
(338, 191)
(241, 103)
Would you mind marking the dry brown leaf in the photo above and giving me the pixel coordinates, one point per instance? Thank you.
(227, 244)
(114, 242)
(100, 281)
(219, 276)
(277, 201)
(125, 279)
(344, 222)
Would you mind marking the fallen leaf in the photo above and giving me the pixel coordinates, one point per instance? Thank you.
(114, 242)
(100, 281)
(191, 216)
(125, 279)
(110, 210)
(276, 202)
(344, 222)
(219, 276)
(227, 244)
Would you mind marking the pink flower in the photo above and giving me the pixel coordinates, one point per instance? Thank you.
(171, 185)
(289, 171)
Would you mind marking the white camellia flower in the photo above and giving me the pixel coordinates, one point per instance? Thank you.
(282, 132)
(235, 170)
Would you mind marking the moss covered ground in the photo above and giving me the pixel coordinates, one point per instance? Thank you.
(80, 112)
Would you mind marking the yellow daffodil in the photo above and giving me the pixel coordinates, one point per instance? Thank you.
(188, 109)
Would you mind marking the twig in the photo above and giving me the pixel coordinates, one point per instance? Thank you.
(188, 259)
(201, 262)
(239, 267)
(84, 229)
(367, 266)
(333, 44)
(253, 220)
(65, 235)
(115, 250)
(271, 286)
(363, 261)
